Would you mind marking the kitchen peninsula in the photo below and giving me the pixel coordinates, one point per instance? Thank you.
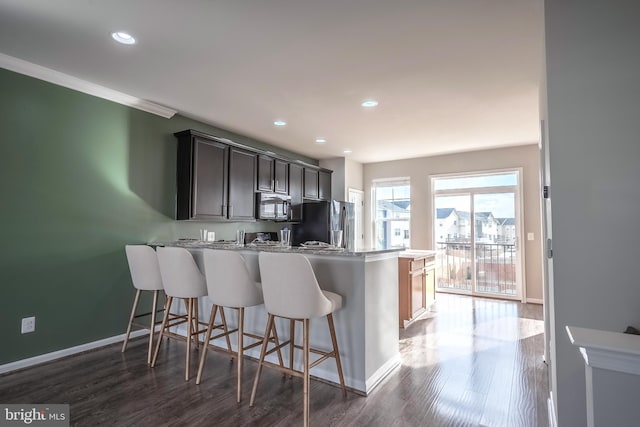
(366, 326)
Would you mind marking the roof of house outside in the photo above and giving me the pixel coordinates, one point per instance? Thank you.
(442, 213)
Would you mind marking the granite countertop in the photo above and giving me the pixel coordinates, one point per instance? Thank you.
(231, 245)
(417, 254)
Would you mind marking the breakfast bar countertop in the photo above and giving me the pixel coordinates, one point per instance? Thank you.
(231, 245)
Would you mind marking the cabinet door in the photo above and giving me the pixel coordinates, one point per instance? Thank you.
(265, 173)
(417, 292)
(281, 176)
(296, 179)
(310, 183)
(404, 291)
(209, 189)
(324, 185)
(242, 178)
(430, 287)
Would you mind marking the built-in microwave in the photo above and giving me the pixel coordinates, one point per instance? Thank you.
(273, 206)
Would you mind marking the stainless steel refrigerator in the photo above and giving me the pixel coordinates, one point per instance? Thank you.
(319, 218)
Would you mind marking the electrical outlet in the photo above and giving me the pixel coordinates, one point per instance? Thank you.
(28, 325)
(529, 236)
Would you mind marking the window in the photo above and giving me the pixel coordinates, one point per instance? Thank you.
(392, 204)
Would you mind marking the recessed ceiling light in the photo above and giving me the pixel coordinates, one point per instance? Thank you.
(280, 123)
(347, 151)
(122, 37)
(321, 140)
(369, 103)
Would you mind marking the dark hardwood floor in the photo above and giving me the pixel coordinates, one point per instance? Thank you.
(470, 362)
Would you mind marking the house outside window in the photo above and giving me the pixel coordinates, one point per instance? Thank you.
(392, 213)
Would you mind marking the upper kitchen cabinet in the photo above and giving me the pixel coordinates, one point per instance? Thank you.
(296, 180)
(310, 183)
(201, 179)
(281, 175)
(215, 181)
(242, 178)
(317, 184)
(273, 175)
(265, 173)
(324, 185)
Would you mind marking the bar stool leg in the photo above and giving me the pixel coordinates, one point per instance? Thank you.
(212, 319)
(292, 341)
(336, 353)
(189, 338)
(224, 328)
(162, 328)
(196, 323)
(133, 314)
(277, 343)
(263, 350)
(240, 349)
(305, 340)
(152, 329)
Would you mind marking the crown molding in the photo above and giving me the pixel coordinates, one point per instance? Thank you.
(39, 72)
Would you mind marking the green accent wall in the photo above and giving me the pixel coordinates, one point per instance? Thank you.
(80, 177)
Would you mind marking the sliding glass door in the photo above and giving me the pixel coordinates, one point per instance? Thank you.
(476, 232)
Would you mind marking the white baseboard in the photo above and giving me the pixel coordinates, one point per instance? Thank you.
(25, 363)
(382, 373)
(535, 301)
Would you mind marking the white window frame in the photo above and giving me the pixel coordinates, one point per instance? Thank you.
(387, 182)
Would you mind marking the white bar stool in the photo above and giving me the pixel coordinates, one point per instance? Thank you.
(291, 291)
(229, 284)
(181, 279)
(145, 275)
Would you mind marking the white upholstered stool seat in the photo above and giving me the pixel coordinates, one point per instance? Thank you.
(181, 279)
(229, 284)
(291, 291)
(145, 275)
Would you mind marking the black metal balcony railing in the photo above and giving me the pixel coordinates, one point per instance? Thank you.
(495, 267)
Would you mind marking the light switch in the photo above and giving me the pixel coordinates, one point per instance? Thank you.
(529, 236)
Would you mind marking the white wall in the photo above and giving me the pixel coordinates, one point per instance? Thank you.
(337, 165)
(420, 169)
(346, 174)
(354, 175)
(593, 91)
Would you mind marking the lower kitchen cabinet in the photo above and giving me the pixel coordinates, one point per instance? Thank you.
(416, 284)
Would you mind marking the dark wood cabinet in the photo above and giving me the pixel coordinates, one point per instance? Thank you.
(202, 179)
(317, 184)
(296, 180)
(324, 185)
(310, 183)
(215, 181)
(265, 173)
(273, 175)
(281, 176)
(242, 176)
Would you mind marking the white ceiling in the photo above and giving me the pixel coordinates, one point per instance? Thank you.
(450, 75)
